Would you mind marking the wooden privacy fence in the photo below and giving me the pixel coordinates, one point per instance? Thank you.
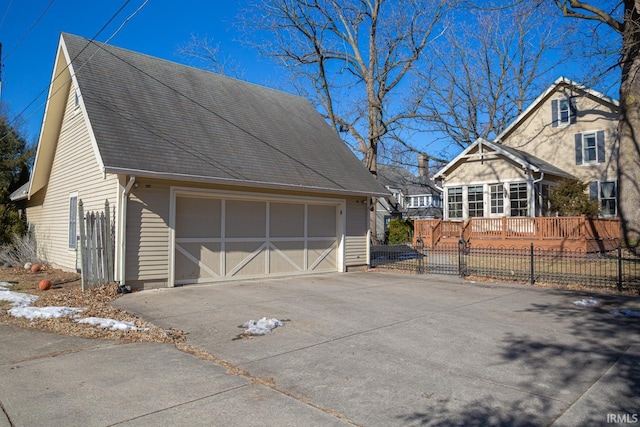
(96, 246)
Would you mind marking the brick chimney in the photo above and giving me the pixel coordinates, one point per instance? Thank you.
(423, 166)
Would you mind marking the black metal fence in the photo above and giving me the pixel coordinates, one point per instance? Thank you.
(617, 270)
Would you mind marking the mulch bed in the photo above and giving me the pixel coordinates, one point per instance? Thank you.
(66, 291)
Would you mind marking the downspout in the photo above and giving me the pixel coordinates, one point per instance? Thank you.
(123, 232)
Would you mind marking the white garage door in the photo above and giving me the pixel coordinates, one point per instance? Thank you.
(222, 237)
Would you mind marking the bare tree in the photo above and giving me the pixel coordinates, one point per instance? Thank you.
(355, 59)
(623, 17)
(208, 55)
(487, 71)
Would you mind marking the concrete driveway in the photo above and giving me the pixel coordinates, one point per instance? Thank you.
(381, 349)
(372, 349)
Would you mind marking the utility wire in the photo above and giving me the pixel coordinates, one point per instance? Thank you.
(6, 12)
(28, 31)
(11, 128)
(204, 107)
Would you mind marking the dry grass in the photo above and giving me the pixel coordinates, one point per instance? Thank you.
(66, 291)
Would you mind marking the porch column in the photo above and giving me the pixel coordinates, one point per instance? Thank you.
(531, 191)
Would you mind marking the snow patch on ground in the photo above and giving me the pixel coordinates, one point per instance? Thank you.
(111, 324)
(261, 327)
(17, 299)
(21, 303)
(33, 313)
(587, 302)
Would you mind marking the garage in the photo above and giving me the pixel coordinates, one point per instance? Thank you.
(222, 236)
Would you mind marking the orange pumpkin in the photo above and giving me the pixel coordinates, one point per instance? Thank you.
(44, 285)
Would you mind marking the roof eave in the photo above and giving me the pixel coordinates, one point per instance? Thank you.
(237, 182)
(546, 93)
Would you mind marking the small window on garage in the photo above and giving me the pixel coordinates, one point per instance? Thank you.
(73, 221)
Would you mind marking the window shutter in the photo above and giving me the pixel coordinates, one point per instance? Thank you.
(593, 190)
(554, 113)
(578, 148)
(600, 144)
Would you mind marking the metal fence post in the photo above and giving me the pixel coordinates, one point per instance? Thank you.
(461, 249)
(532, 279)
(619, 268)
(420, 247)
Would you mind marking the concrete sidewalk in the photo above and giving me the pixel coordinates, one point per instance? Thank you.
(363, 348)
(64, 381)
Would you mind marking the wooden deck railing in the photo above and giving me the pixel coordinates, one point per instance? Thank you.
(581, 232)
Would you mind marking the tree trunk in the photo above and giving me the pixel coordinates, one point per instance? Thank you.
(629, 128)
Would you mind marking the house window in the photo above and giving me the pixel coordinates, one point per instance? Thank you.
(563, 112)
(497, 198)
(454, 199)
(73, 221)
(606, 192)
(475, 202)
(518, 197)
(420, 201)
(589, 147)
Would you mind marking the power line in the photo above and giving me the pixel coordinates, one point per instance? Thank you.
(11, 128)
(29, 30)
(204, 107)
(6, 12)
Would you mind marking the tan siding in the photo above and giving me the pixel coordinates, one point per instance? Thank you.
(148, 237)
(490, 169)
(556, 145)
(356, 232)
(147, 251)
(75, 170)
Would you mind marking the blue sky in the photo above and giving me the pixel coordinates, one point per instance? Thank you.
(159, 29)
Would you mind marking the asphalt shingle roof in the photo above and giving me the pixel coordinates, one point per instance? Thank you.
(159, 117)
(399, 177)
(535, 161)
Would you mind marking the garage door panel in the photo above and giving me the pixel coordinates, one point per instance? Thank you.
(286, 220)
(322, 255)
(245, 218)
(218, 238)
(321, 221)
(198, 217)
(245, 258)
(286, 257)
(196, 260)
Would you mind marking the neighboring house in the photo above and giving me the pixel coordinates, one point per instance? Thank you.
(210, 178)
(569, 131)
(415, 197)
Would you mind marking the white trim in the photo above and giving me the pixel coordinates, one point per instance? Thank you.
(559, 122)
(75, 86)
(196, 261)
(497, 149)
(118, 237)
(239, 183)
